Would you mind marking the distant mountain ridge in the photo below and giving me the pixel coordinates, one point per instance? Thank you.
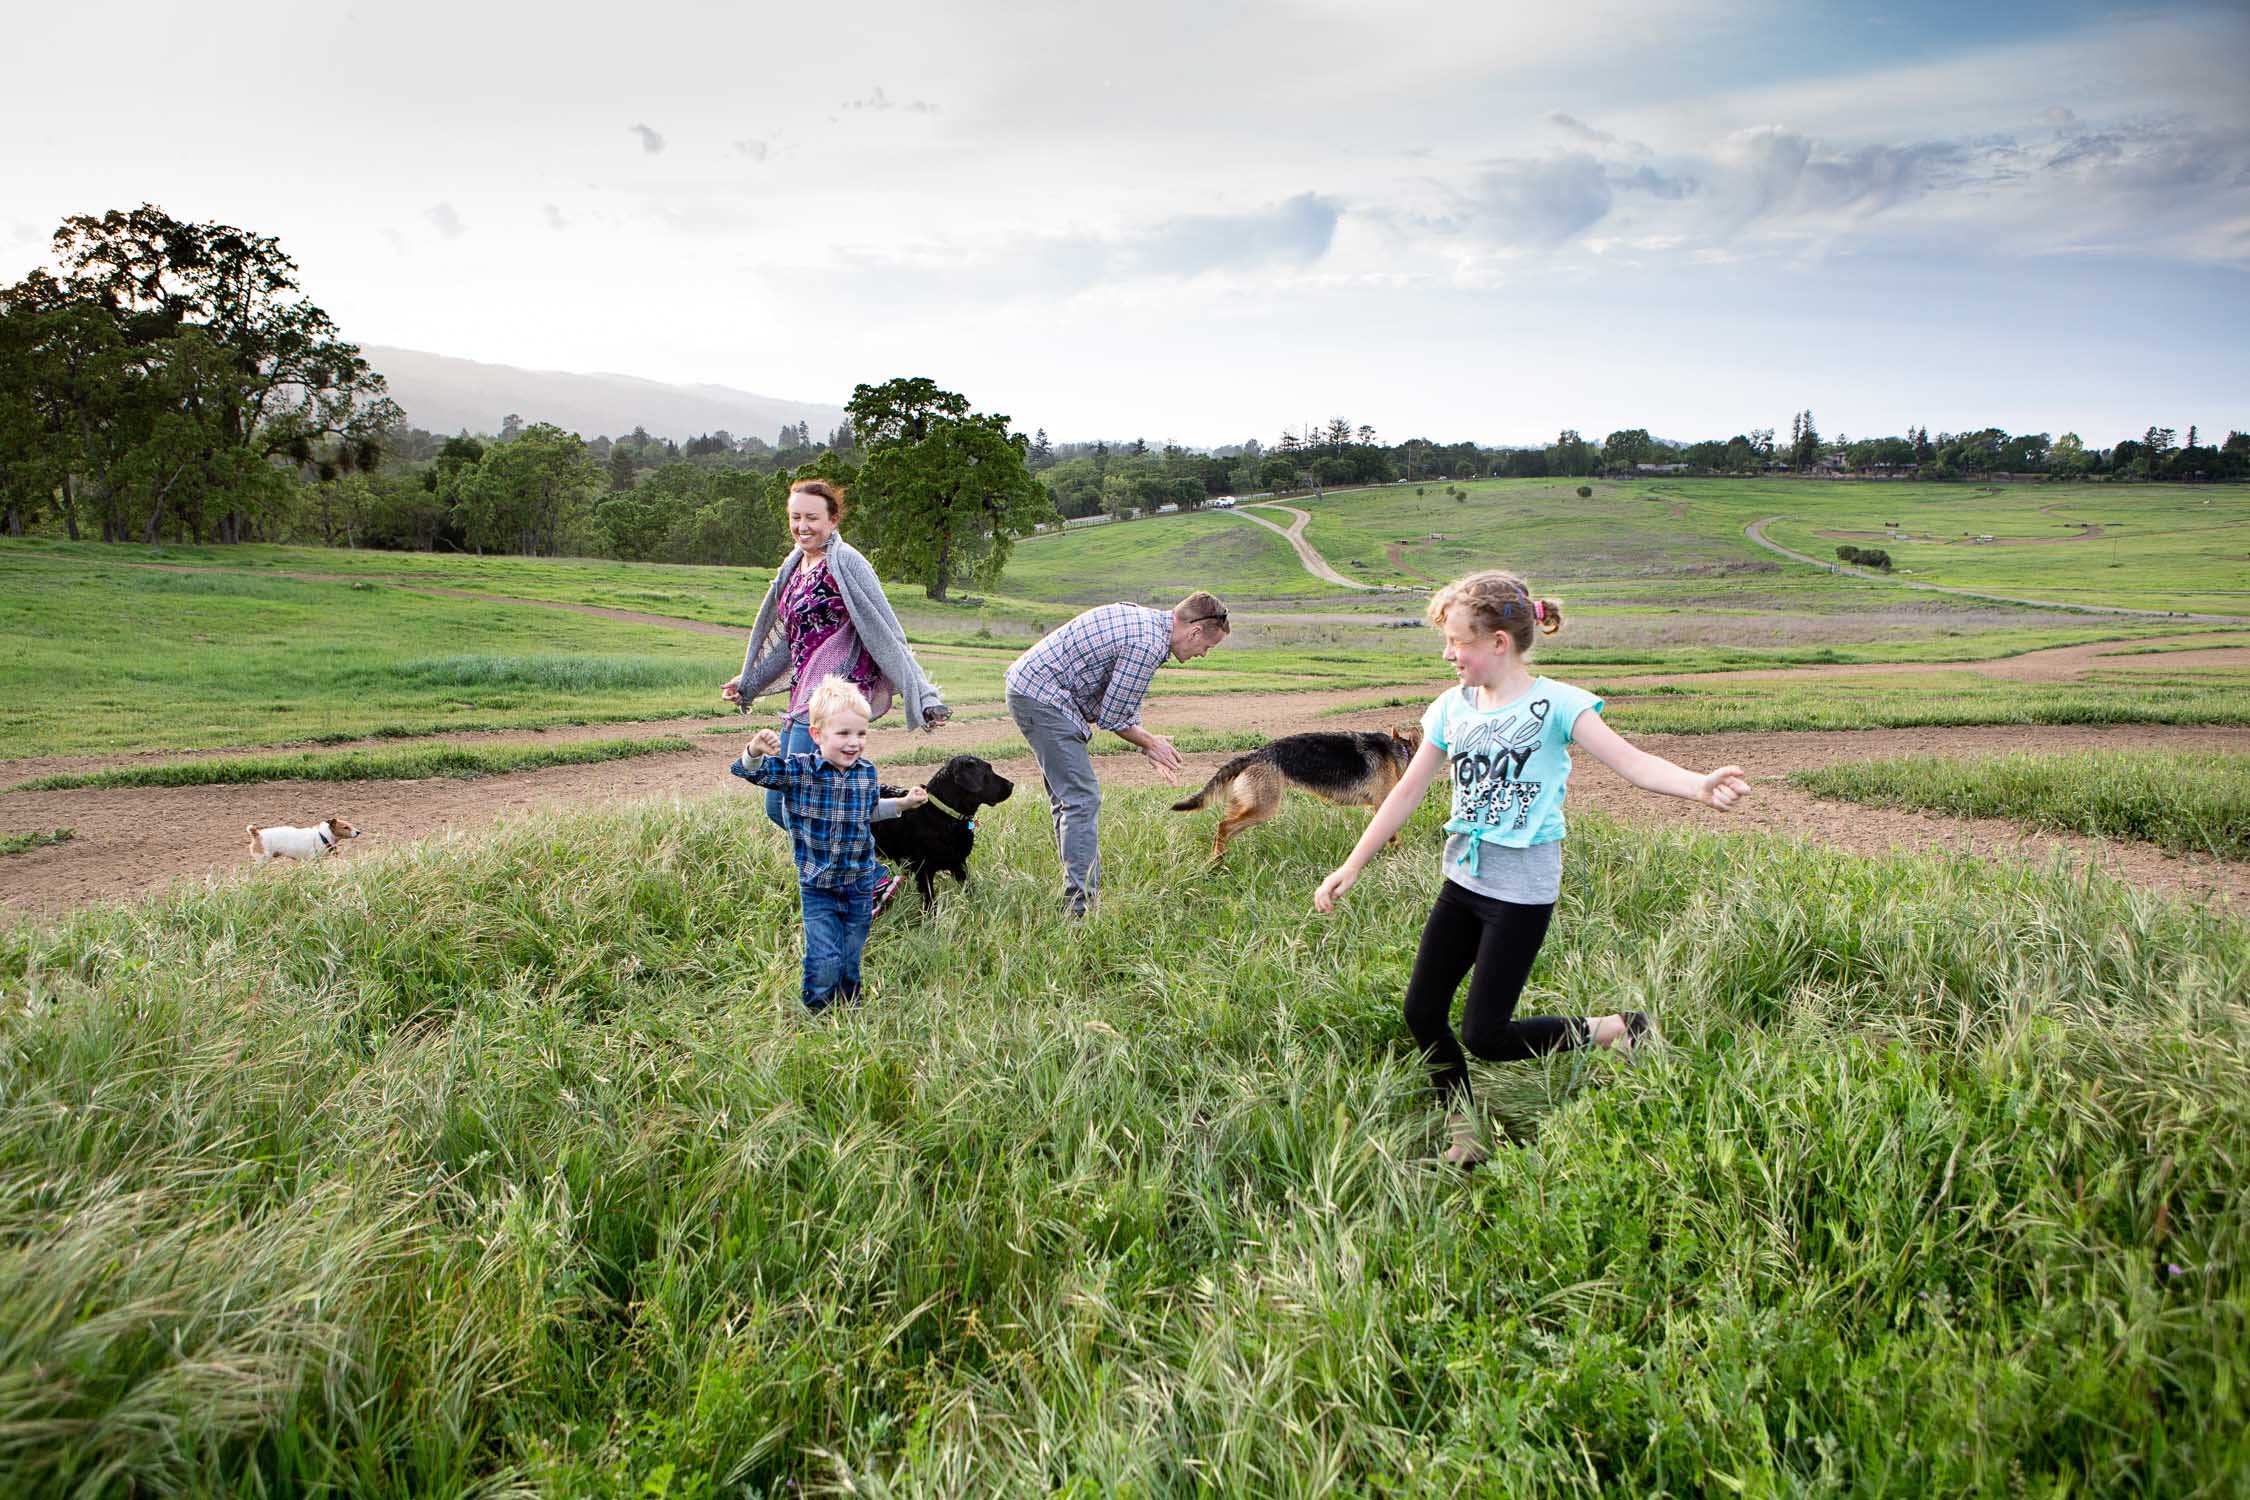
(443, 394)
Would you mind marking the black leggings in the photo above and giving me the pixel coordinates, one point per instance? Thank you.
(1499, 939)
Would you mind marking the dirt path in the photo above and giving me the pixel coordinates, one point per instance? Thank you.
(2052, 664)
(1294, 535)
(1396, 552)
(1756, 532)
(132, 841)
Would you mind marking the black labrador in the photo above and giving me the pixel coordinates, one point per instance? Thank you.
(938, 835)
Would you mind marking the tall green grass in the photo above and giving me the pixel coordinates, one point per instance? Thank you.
(558, 674)
(511, 1165)
(24, 843)
(2180, 800)
(363, 765)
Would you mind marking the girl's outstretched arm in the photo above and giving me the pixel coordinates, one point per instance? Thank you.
(1388, 820)
(1721, 788)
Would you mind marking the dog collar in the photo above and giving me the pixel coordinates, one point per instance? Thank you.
(325, 841)
(949, 812)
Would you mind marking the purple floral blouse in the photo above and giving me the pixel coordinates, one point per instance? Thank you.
(822, 643)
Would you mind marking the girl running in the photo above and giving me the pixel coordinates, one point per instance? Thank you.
(1505, 734)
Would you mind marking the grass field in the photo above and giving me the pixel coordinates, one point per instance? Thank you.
(2159, 547)
(1162, 558)
(506, 1163)
(226, 647)
(362, 765)
(114, 655)
(2178, 800)
(1935, 1186)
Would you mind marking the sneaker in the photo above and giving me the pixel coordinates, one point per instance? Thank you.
(1636, 1032)
(885, 889)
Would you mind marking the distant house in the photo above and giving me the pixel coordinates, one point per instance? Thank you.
(1660, 468)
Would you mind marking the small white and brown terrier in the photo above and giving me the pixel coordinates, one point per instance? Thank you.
(283, 842)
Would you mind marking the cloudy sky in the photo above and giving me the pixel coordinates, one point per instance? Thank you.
(1207, 221)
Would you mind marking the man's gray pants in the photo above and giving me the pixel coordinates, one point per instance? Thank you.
(1058, 739)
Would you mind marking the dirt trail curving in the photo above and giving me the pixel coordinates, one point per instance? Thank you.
(1396, 552)
(1294, 535)
(132, 841)
(2051, 664)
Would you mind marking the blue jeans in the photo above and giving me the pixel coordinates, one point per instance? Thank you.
(796, 739)
(836, 922)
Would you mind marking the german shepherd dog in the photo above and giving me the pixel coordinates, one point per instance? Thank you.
(1351, 768)
(936, 837)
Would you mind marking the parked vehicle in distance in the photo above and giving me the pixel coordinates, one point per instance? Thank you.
(1224, 502)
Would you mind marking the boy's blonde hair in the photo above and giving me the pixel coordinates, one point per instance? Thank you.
(832, 696)
(1499, 602)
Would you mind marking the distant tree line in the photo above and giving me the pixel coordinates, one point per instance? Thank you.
(169, 380)
(1131, 478)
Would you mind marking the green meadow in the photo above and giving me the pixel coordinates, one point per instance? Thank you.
(1667, 542)
(2185, 801)
(125, 649)
(509, 1164)
(1934, 1185)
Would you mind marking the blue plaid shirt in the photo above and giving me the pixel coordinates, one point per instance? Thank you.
(829, 814)
(1099, 664)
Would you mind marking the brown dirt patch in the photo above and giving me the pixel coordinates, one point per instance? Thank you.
(133, 841)
(2054, 664)
(1396, 553)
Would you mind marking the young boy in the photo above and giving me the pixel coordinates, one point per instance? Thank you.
(831, 798)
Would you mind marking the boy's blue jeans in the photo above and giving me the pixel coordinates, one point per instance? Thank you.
(796, 739)
(836, 922)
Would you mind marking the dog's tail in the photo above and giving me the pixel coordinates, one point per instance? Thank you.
(1220, 780)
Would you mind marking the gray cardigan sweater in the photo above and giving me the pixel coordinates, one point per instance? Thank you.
(765, 666)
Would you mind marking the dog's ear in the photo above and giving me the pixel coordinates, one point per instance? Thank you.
(1409, 735)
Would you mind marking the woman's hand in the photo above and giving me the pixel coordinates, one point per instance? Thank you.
(764, 742)
(1332, 889)
(1724, 787)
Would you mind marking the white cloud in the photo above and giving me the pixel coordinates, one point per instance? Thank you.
(651, 142)
(445, 220)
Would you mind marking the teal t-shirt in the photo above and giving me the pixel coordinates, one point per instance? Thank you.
(1510, 764)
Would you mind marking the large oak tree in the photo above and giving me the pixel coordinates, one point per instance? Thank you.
(944, 491)
(175, 373)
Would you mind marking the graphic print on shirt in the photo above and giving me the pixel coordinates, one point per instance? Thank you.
(1487, 760)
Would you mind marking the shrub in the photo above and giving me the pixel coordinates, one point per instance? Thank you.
(1585, 492)
(1866, 557)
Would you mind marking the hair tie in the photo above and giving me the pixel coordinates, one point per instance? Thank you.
(1539, 611)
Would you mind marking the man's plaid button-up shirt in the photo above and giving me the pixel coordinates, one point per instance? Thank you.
(1099, 665)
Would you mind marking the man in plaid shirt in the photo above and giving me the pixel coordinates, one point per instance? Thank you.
(1092, 674)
